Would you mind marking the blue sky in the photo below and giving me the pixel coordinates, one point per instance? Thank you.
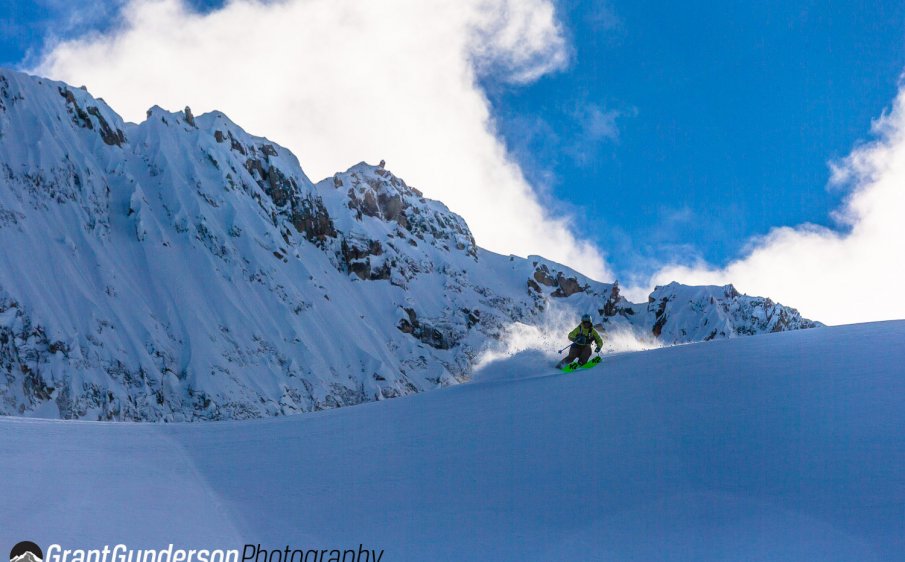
(727, 114)
(674, 132)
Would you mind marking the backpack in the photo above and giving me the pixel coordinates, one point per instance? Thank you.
(582, 338)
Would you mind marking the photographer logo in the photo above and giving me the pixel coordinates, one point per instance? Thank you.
(26, 551)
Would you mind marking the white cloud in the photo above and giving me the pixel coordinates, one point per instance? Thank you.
(853, 274)
(340, 81)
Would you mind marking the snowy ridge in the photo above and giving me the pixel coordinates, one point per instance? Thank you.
(681, 313)
(183, 269)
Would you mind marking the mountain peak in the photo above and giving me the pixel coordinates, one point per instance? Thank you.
(183, 269)
(58, 109)
(26, 557)
(382, 177)
(383, 205)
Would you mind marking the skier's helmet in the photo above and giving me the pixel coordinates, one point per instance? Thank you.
(586, 318)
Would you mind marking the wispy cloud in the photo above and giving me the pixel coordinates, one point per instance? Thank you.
(603, 17)
(604, 21)
(339, 81)
(600, 124)
(592, 126)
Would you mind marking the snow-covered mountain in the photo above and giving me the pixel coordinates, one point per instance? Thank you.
(182, 269)
(787, 446)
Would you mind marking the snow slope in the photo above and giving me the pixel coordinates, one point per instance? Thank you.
(183, 269)
(786, 446)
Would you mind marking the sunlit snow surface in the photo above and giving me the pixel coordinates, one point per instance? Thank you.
(786, 446)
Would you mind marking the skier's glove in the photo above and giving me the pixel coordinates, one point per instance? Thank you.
(597, 349)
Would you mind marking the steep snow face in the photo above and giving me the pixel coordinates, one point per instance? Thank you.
(59, 146)
(787, 446)
(184, 269)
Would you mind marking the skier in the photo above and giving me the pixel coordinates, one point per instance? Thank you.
(581, 338)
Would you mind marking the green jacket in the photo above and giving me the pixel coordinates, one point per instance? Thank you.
(586, 336)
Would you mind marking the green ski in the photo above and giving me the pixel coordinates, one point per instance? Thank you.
(574, 366)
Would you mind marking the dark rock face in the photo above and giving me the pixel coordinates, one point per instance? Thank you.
(609, 308)
(4, 92)
(564, 286)
(310, 217)
(304, 211)
(424, 331)
(234, 144)
(83, 118)
(616, 305)
(356, 254)
(472, 317)
(567, 286)
(189, 117)
(662, 317)
(6, 98)
(542, 276)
